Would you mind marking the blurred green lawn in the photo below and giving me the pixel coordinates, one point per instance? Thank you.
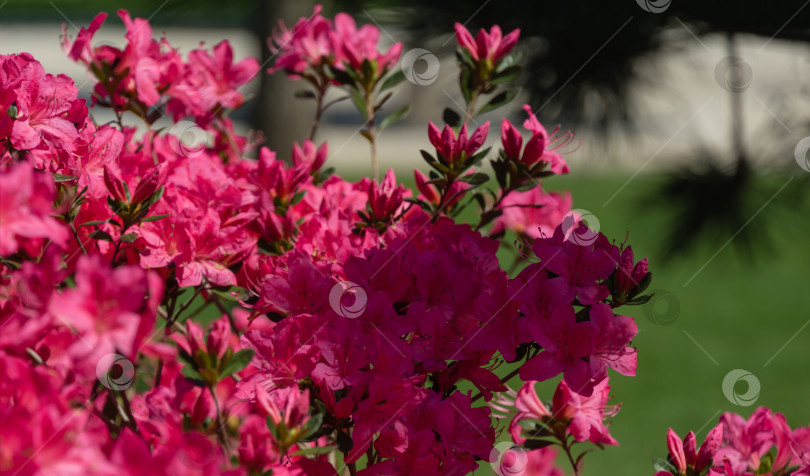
(744, 312)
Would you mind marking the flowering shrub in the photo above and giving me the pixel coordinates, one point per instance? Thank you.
(352, 314)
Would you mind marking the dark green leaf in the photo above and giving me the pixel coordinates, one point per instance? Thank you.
(474, 179)
(360, 103)
(313, 425)
(393, 80)
(59, 178)
(12, 111)
(536, 443)
(155, 218)
(639, 300)
(451, 118)
(390, 119)
(509, 74)
(237, 362)
(101, 235)
(92, 223)
(128, 238)
(315, 450)
(304, 94)
(499, 100)
(508, 61)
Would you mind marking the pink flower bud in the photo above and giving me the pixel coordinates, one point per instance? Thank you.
(114, 184)
(219, 337)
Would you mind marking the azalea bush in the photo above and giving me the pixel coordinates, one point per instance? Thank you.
(364, 328)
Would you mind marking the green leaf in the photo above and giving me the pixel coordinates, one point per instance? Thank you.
(92, 223)
(664, 465)
(185, 357)
(239, 361)
(360, 102)
(191, 374)
(155, 218)
(499, 100)
(59, 178)
(508, 61)
(451, 118)
(639, 300)
(315, 450)
(128, 238)
(101, 235)
(467, 85)
(314, 424)
(341, 76)
(391, 118)
(393, 80)
(304, 94)
(536, 443)
(509, 74)
(12, 111)
(474, 179)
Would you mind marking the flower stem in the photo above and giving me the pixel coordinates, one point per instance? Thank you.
(371, 132)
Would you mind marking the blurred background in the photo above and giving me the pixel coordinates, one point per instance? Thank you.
(691, 117)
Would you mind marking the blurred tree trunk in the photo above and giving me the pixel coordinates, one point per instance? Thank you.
(283, 118)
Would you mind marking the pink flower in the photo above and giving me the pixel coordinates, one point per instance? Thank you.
(487, 46)
(108, 308)
(26, 206)
(581, 264)
(256, 450)
(353, 46)
(309, 157)
(614, 335)
(456, 150)
(535, 212)
(627, 275)
(430, 194)
(567, 344)
(284, 405)
(745, 442)
(386, 198)
(211, 81)
(540, 148)
(47, 108)
(307, 45)
(586, 414)
(684, 454)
